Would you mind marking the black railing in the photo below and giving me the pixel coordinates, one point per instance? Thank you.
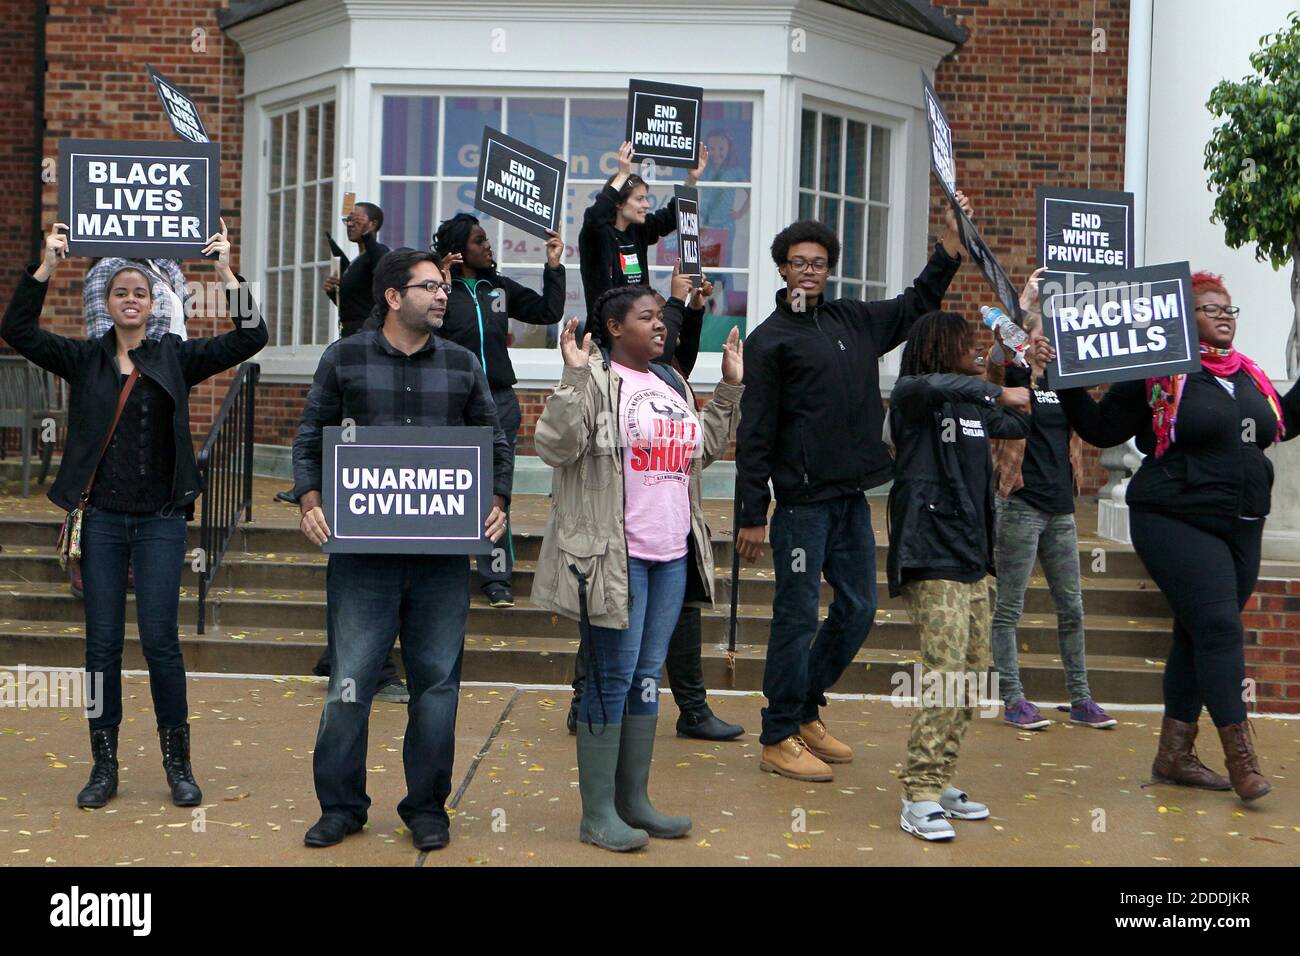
(226, 477)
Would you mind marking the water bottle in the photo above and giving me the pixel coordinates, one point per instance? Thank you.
(1012, 336)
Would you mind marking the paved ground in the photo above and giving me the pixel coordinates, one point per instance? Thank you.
(1068, 796)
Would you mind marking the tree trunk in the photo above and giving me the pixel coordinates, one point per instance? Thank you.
(1293, 340)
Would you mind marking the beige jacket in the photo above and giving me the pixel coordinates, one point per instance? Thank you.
(578, 435)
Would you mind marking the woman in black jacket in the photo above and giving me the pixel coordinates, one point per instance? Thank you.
(479, 305)
(941, 536)
(142, 490)
(1196, 514)
(618, 229)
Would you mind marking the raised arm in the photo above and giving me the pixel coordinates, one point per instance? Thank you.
(563, 431)
(915, 396)
(1119, 416)
(718, 419)
(205, 357)
(21, 324)
(525, 305)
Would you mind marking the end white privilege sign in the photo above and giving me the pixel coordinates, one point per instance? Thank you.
(520, 184)
(1081, 231)
(663, 122)
(139, 199)
(406, 490)
(1122, 325)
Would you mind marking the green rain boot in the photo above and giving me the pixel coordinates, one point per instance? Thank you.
(631, 799)
(597, 762)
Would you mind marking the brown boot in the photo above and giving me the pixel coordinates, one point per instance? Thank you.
(1176, 760)
(1242, 764)
(819, 740)
(791, 758)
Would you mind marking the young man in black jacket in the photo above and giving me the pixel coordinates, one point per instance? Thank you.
(811, 423)
(351, 291)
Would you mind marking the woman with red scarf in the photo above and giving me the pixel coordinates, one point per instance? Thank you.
(1196, 513)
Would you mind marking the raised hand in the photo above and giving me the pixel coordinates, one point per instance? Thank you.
(575, 356)
(56, 250)
(1029, 294)
(702, 293)
(733, 358)
(449, 260)
(554, 248)
(219, 242)
(625, 159)
(694, 175)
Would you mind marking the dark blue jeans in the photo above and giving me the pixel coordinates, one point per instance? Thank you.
(373, 598)
(155, 545)
(832, 538)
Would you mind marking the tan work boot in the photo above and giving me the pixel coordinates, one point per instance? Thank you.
(819, 740)
(792, 758)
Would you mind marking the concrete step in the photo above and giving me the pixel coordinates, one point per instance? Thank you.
(522, 659)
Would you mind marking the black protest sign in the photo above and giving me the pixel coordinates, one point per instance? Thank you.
(988, 264)
(688, 231)
(413, 490)
(943, 162)
(1121, 325)
(139, 200)
(180, 109)
(519, 184)
(663, 122)
(1084, 230)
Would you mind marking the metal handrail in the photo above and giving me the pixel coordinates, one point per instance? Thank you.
(226, 477)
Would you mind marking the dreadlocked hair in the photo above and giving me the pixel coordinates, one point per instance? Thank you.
(934, 344)
(613, 304)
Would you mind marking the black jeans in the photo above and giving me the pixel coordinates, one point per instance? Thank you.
(1207, 566)
(685, 670)
(497, 566)
(155, 544)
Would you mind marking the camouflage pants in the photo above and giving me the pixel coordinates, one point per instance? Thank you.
(953, 621)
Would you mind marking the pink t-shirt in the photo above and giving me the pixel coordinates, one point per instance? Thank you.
(660, 434)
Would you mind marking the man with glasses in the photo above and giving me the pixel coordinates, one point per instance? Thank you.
(395, 374)
(810, 423)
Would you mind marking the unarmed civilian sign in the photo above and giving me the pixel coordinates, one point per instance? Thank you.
(395, 490)
(139, 200)
(1084, 230)
(180, 109)
(663, 122)
(1121, 325)
(943, 161)
(519, 184)
(688, 231)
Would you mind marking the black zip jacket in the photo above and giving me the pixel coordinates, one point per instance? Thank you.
(1210, 468)
(811, 415)
(934, 522)
(599, 241)
(355, 294)
(90, 368)
(682, 340)
(478, 311)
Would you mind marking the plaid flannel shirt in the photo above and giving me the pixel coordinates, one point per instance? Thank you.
(364, 378)
(166, 277)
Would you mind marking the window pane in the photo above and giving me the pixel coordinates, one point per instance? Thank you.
(596, 130)
(273, 229)
(308, 238)
(728, 306)
(324, 308)
(289, 233)
(664, 252)
(272, 306)
(538, 122)
(853, 240)
(808, 151)
(311, 144)
(830, 214)
(463, 126)
(408, 214)
(830, 159)
(855, 160)
(457, 198)
(523, 335)
(324, 220)
(277, 147)
(286, 306)
(851, 290)
(410, 136)
(877, 228)
(517, 246)
(327, 140)
(291, 149)
(724, 226)
(880, 164)
(807, 206)
(307, 321)
(727, 128)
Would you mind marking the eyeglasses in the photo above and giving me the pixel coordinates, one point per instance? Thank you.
(430, 286)
(815, 266)
(1214, 311)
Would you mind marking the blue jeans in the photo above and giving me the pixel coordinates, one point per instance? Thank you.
(373, 598)
(832, 538)
(625, 676)
(155, 545)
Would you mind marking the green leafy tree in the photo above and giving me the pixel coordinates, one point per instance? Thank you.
(1253, 159)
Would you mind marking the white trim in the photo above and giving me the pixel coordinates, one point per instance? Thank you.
(1137, 125)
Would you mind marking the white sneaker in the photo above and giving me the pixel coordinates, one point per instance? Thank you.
(957, 806)
(927, 820)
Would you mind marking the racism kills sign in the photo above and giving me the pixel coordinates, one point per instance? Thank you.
(688, 231)
(1081, 231)
(397, 490)
(663, 122)
(1122, 325)
(519, 184)
(180, 109)
(139, 200)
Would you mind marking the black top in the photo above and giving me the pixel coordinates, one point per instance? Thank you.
(811, 415)
(90, 367)
(355, 296)
(1046, 469)
(136, 471)
(609, 257)
(1215, 465)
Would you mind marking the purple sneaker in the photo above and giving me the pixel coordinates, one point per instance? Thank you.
(1025, 716)
(1090, 715)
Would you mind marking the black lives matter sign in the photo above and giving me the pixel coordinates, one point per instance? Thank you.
(139, 200)
(943, 161)
(395, 490)
(1081, 231)
(688, 231)
(180, 109)
(1121, 325)
(519, 184)
(663, 122)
